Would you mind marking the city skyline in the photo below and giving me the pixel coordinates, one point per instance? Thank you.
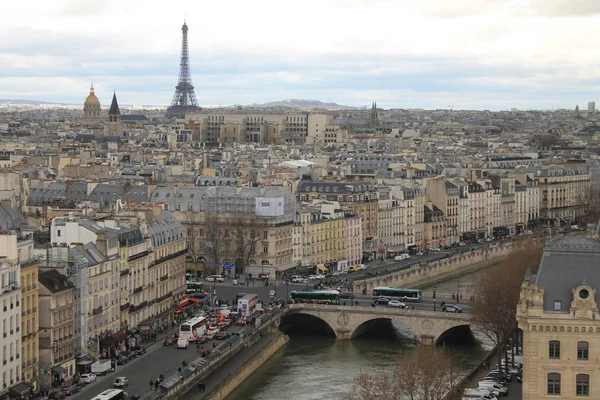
(491, 55)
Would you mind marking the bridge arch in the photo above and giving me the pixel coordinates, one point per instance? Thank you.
(454, 334)
(307, 322)
(349, 322)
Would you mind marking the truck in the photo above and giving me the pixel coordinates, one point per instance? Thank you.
(101, 367)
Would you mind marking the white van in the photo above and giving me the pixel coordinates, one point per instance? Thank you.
(215, 278)
(494, 387)
(403, 256)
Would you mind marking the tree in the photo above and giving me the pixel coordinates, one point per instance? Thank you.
(497, 295)
(194, 234)
(245, 236)
(429, 377)
(216, 243)
(589, 203)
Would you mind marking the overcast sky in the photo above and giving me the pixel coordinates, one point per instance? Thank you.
(469, 54)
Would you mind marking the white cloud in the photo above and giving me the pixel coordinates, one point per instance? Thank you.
(331, 48)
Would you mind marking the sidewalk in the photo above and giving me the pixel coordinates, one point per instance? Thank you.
(230, 367)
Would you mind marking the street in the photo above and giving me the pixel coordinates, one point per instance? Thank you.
(159, 359)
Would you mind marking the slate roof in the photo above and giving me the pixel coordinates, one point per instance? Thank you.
(114, 106)
(165, 229)
(10, 219)
(54, 281)
(567, 262)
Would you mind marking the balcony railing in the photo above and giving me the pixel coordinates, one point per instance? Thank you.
(125, 272)
(168, 257)
(124, 306)
(138, 289)
(138, 307)
(164, 277)
(97, 310)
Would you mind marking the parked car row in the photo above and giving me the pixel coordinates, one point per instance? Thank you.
(494, 384)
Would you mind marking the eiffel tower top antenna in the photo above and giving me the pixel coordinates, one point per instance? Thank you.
(184, 100)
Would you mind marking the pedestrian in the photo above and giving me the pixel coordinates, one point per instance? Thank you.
(151, 384)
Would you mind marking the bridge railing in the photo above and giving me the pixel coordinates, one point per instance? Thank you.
(375, 310)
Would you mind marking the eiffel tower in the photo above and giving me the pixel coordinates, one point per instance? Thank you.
(184, 100)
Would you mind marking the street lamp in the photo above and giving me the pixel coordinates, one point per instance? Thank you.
(434, 309)
(457, 290)
(434, 290)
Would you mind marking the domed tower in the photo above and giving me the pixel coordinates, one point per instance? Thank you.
(91, 107)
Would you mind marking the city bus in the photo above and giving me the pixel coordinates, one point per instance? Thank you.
(247, 304)
(193, 287)
(111, 394)
(397, 294)
(193, 328)
(318, 296)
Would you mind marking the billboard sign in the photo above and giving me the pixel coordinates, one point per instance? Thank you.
(269, 206)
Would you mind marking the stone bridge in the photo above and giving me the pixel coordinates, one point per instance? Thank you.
(346, 322)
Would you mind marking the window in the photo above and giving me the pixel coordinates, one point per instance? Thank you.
(557, 305)
(582, 385)
(582, 350)
(553, 383)
(265, 249)
(58, 233)
(554, 349)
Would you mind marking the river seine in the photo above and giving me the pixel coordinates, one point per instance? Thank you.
(317, 367)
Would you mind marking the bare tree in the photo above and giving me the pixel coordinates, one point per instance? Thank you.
(588, 202)
(245, 235)
(194, 234)
(216, 244)
(429, 377)
(497, 295)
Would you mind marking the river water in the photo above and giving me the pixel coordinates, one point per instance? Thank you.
(316, 367)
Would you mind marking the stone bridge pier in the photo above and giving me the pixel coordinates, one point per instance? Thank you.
(349, 322)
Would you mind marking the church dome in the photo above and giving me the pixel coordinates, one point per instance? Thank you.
(91, 99)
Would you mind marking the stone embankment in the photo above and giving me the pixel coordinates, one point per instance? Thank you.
(428, 274)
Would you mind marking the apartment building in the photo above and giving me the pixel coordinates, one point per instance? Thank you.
(435, 229)
(361, 197)
(558, 314)
(30, 317)
(11, 370)
(445, 195)
(478, 212)
(58, 329)
(412, 203)
(563, 190)
(390, 224)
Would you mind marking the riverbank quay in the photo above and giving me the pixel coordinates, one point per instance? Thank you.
(225, 380)
(427, 274)
(187, 378)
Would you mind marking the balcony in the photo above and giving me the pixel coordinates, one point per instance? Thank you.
(138, 307)
(164, 277)
(97, 310)
(138, 289)
(124, 306)
(168, 257)
(138, 256)
(125, 272)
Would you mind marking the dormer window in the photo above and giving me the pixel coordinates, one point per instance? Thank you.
(557, 305)
(584, 294)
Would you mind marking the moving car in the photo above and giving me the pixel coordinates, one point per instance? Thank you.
(222, 335)
(451, 308)
(400, 257)
(396, 303)
(212, 331)
(58, 395)
(182, 343)
(88, 378)
(120, 382)
(71, 390)
(215, 278)
(382, 300)
(347, 295)
(436, 249)
(362, 267)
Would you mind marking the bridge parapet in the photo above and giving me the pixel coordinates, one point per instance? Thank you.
(344, 321)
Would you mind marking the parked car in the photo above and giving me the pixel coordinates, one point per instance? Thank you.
(88, 378)
(58, 395)
(122, 360)
(347, 295)
(488, 239)
(263, 277)
(396, 304)
(170, 341)
(451, 308)
(120, 382)
(139, 349)
(382, 300)
(436, 248)
(71, 390)
(222, 335)
(403, 256)
(362, 267)
(215, 278)
(297, 279)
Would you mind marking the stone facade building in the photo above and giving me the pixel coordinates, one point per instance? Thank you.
(558, 314)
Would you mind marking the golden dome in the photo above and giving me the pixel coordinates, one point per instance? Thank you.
(92, 99)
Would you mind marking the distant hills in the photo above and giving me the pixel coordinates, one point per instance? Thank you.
(302, 104)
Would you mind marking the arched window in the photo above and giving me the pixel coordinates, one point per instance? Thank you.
(554, 349)
(583, 350)
(582, 385)
(553, 383)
